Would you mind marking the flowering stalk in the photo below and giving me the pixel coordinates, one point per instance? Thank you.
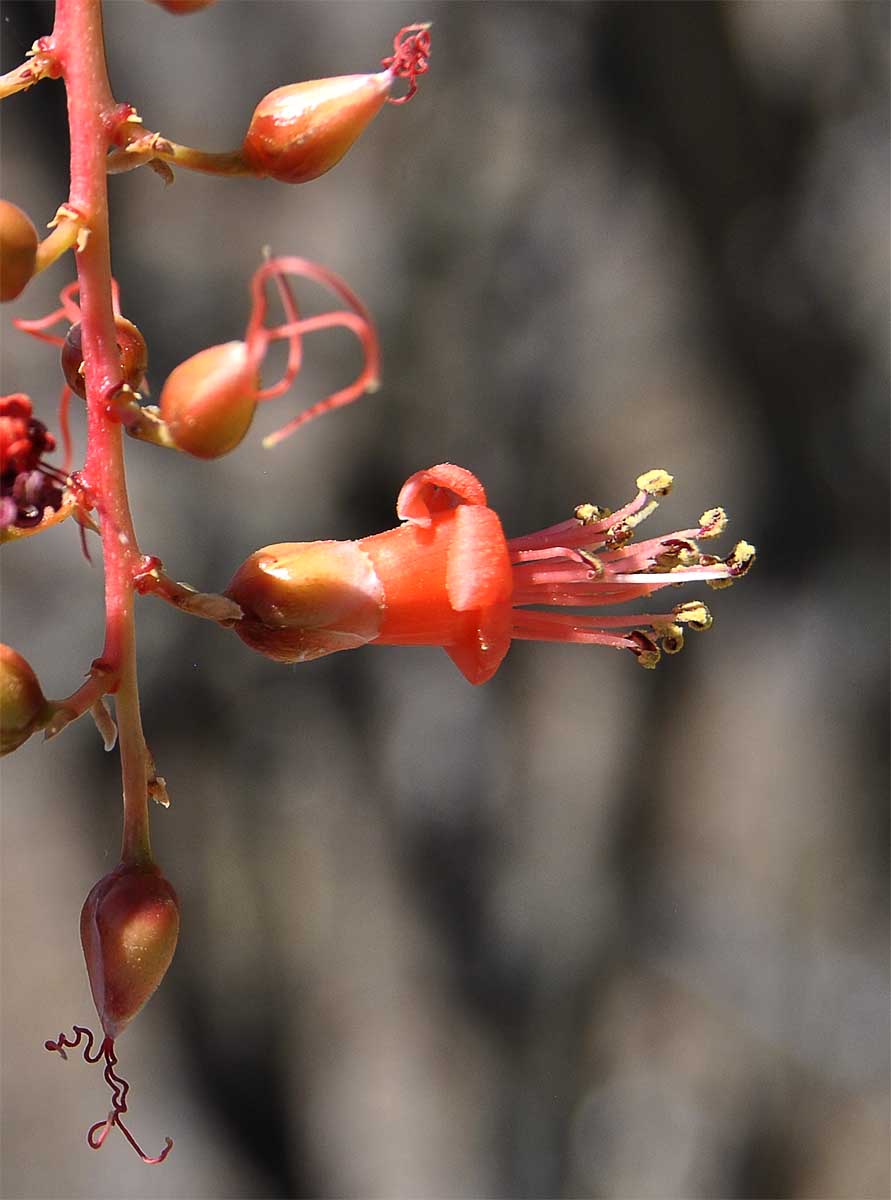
(78, 48)
(130, 920)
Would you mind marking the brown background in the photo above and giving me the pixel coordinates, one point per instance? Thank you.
(587, 931)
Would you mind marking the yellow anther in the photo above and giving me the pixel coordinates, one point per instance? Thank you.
(648, 659)
(671, 637)
(695, 614)
(655, 483)
(712, 523)
(590, 514)
(644, 649)
(618, 535)
(677, 554)
(740, 559)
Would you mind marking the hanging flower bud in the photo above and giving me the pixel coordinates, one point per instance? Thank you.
(128, 929)
(133, 353)
(300, 131)
(208, 401)
(18, 250)
(23, 707)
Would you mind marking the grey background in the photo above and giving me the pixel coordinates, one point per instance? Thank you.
(587, 931)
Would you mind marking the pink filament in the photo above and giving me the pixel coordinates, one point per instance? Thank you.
(258, 336)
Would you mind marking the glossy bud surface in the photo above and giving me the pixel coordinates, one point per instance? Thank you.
(128, 929)
(208, 401)
(22, 703)
(303, 600)
(299, 132)
(133, 354)
(18, 250)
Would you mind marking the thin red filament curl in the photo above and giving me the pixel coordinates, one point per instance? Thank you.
(118, 1086)
(410, 58)
(355, 318)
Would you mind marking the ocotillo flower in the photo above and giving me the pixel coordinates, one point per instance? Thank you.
(449, 577)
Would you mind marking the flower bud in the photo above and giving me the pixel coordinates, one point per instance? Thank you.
(302, 600)
(18, 250)
(129, 926)
(208, 401)
(131, 346)
(300, 131)
(23, 708)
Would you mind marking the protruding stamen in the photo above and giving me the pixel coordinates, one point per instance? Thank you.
(695, 614)
(671, 637)
(619, 534)
(712, 523)
(655, 483)
(644, 649)
(590, 514)
(738, 563)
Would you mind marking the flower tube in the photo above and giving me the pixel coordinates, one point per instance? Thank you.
(448, 576)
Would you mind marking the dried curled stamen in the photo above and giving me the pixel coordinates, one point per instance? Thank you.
(118, 1086)
(356, 318)
(410, 58)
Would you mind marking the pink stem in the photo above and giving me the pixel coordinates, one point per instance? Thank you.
(78, 44)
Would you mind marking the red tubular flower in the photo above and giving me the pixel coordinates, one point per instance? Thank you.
(449, 577)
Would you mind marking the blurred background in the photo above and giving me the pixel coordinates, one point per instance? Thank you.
(588, 930)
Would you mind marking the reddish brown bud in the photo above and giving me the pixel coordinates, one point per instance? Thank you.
(128, 929)
(133, 353)
(208, 401)
(23, 708)
(18, 250)
(299, 132)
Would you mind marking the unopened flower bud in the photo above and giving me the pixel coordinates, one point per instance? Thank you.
(23, 707)
(131, 346)
(18, 250)
(300, 131)
(208, 401)
(129, 927)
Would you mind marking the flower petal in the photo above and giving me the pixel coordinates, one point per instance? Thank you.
(478, 570)
(478, 657)
(437, 489)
